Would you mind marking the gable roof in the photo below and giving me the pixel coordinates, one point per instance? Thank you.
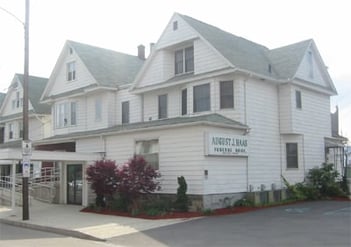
(286, 59)
(36, 86)
(109, 68)
(279, 64)
(241, 52)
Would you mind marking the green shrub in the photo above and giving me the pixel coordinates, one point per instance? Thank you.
(207, 211)
(322, 182)
(154, 212)
(325, 180)
(244, 202)
(182, 201)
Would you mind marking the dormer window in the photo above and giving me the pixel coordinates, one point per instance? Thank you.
(184, 60)
(71, 71)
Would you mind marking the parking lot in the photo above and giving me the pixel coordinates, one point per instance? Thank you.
(322, 223)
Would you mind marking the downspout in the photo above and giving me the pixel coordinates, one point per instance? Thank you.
(303, 157)
(142, 107)
(280, 142)
(245, 122)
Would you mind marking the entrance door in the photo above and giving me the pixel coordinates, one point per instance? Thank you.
(74, 184)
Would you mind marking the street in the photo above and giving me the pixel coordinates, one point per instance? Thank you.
(319, 224)
(11, 236)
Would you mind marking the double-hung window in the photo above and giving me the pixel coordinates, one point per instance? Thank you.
(184, 60)
(201, 98)
(298, 99)
(226, 94)
(149, 149)
(184, 101)
(65, 114)
(10, 131)
(162, 106)
(292, 155)
(125, 112)
(71, 71)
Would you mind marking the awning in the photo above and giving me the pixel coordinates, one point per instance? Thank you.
(39, 155)
(333, 143)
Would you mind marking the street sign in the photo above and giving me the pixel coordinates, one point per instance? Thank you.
(26, 169)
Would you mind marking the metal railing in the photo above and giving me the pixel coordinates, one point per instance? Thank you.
(42, 185)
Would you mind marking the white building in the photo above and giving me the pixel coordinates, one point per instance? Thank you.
(229, 115)
(11, 118)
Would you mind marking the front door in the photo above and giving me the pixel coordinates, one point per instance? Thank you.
(74, 184)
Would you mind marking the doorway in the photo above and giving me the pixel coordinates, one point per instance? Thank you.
(74, 184)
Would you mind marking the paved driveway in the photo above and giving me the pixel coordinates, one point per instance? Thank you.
(325, 223)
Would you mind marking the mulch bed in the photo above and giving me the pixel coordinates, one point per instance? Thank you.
(185, 215)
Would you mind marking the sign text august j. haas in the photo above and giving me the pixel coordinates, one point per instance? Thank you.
(227, 145)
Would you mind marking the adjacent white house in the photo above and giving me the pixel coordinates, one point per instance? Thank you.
(11, 118)
(230, 115)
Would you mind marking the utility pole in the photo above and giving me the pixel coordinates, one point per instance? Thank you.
(26, 144)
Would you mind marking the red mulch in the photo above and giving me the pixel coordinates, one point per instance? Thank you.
(176, 215)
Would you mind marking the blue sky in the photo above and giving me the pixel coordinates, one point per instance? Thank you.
(123, 25)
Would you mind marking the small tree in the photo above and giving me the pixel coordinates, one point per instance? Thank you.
(182, 201)
(103, 177)
(136, 177)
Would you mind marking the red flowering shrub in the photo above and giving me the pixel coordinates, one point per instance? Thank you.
(136, 177)
(103, 177)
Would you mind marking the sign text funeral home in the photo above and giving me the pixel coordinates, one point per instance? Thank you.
(226, 145)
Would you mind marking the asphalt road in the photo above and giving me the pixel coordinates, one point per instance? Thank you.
(319, 224)
(11, 236)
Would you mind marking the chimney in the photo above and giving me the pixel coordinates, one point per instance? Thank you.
(141, 52)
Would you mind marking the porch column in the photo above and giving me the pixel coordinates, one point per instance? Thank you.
(13, 190)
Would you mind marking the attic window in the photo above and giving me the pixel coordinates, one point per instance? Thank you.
(175, 25)
(70, 51)
(71, 71)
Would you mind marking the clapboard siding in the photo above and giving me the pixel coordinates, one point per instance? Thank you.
(81, 117)
(174, 99)
(181, 153)
(294, 175)
(156, 72)
(313, 121)
(206, 59)
(134, 106)
(170, 37)
(60, 83)
(263, 120)
(304, 70)
(108, 110)
(286, 102)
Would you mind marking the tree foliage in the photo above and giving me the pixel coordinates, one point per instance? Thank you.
(103, 177)
(136, 177)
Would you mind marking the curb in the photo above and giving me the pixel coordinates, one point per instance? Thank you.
(61, 231)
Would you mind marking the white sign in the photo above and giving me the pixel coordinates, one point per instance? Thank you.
(26, 169)
(26, 147)
(226, 145)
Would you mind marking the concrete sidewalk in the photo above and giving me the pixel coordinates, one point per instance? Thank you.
(68, 220)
